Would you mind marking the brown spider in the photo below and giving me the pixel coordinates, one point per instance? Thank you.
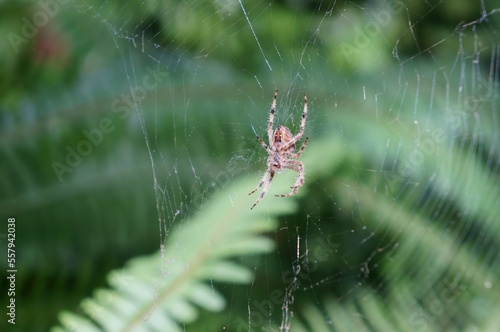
(281, 152)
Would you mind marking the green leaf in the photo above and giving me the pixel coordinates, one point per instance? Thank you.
(162, 292)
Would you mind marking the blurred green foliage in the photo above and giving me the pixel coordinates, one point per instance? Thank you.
(434, 227)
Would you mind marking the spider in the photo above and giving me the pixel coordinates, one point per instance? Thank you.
(281, 150)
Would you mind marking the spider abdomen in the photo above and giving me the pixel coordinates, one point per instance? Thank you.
(282, 134)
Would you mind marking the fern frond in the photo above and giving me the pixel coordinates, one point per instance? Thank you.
(162, 292)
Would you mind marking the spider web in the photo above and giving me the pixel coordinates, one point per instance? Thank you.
(447, 102)
(392, 105)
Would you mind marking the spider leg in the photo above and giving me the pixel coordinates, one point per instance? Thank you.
(304, 118)
(271, 119)
(296, 166)
(266, 181)
(302, 148)
(264, 145)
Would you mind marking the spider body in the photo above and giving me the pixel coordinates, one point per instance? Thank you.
(282, 136)
(281, 150)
